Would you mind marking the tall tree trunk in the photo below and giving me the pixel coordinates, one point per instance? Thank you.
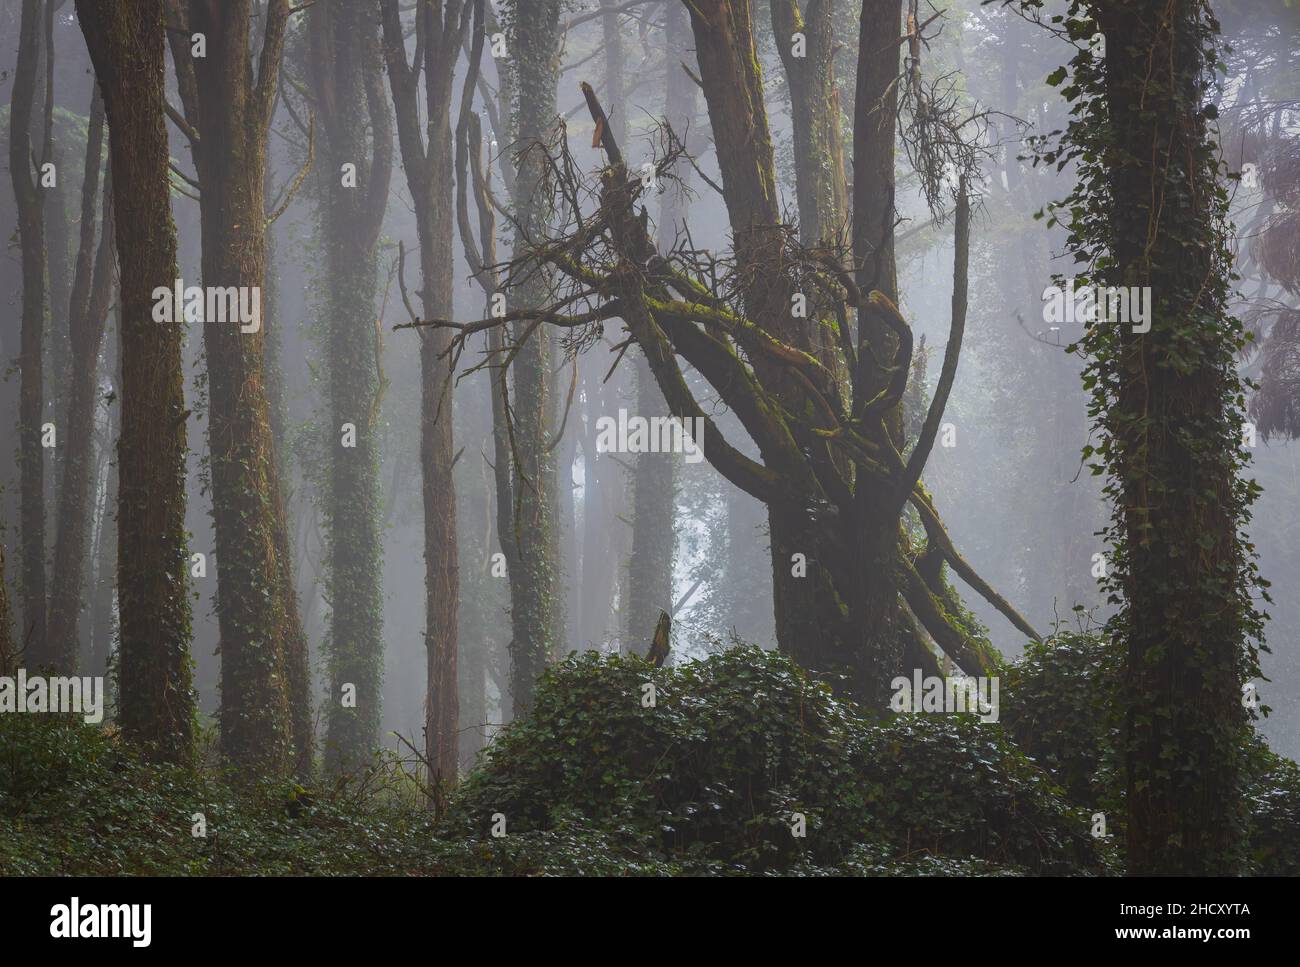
(92, 288)
(806, 41)
(534, 43)
(31, 234)
(1174, 437)
(429, 177)
(229, 107)
(347, 86)
(297, 657)
(126, 43)
(57, 229)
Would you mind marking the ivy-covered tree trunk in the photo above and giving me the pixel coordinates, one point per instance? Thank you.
(349, 101)
(228, 105)
(533, 40)
(1168, 401)
(156, 700)
(31, 237)
(297, 650)
(91, 291)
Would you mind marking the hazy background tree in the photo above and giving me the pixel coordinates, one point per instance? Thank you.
(31, 233)
(356, 152)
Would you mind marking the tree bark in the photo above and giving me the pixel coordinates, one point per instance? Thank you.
(31, 234)
(428, 168)
(88, 309)
(126, 43)
(347, 87)
(1173, 427)
(229, 106)
(8, 647)
(534, 42)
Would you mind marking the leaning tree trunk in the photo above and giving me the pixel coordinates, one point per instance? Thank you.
(31, 235)
(126, 42)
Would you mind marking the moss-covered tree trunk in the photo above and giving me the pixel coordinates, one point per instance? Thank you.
(156, 701)
(350, 102)
(806, 40)
(229, 105)
(834, 587)
(533, 41)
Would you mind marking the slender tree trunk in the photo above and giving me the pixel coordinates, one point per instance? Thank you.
(31, 234)
(429, 176)
(806, 42)
(297, 658)
(534, 44)
(126, 43)
(105, 582)
(92, 288)
(58, 368)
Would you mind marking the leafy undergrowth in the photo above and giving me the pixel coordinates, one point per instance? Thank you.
(1059, 706)
(713, 778)
(715, 775)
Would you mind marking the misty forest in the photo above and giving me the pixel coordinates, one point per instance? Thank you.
(669, 437)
